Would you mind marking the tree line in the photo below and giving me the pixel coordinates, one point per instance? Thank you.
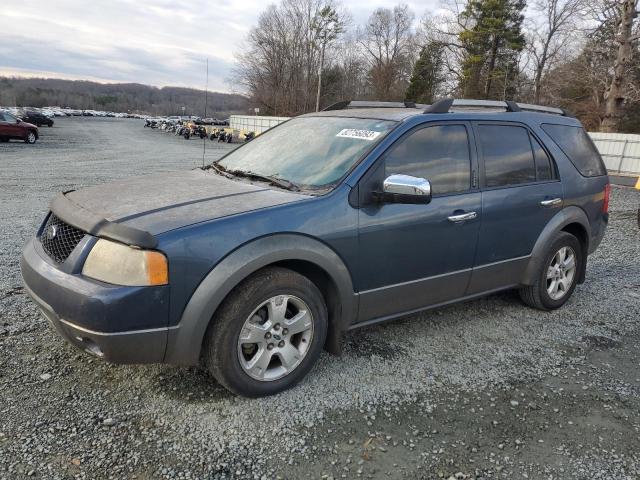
(128, 98)
(582, 55)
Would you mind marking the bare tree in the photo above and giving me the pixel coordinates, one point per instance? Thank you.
(551, 29)
(327, 25)
(387, 39)
(618, 90)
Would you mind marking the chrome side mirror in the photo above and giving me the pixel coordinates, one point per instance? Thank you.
(405, 189)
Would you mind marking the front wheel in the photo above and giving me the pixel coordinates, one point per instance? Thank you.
(30, 138)
(267, 334)
(557, 276)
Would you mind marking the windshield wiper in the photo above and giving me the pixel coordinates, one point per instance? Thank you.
(220, 169)
(279, 182)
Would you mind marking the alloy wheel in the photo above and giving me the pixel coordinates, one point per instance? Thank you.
(561, 272)
(275, 338)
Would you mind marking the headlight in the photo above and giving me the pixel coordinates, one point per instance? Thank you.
(116, 263)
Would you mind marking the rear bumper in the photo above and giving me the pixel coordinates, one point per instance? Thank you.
(118, 324)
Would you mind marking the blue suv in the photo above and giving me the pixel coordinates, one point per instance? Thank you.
(329, 222)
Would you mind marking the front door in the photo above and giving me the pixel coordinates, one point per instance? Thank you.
(9, 125)
(412, 256)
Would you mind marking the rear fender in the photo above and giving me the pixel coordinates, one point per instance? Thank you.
(563, 218)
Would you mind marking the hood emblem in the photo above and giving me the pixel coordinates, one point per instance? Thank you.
(52, 232)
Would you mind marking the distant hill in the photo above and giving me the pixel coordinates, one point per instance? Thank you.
(117, 97)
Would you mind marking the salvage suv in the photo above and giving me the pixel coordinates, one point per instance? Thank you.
(328, 222)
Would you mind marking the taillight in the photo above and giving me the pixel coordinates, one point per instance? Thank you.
(607, 194)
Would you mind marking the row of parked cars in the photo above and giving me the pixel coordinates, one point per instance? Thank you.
(21, 123)
(51, 112)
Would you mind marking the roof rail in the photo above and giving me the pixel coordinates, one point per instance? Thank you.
(445, 105)
(346, 104)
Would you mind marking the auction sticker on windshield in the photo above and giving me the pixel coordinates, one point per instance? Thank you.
(355, 133)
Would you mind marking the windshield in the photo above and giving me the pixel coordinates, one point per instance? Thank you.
(314, 152)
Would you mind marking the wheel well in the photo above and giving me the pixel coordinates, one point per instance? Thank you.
(578, 231)
(329, 291)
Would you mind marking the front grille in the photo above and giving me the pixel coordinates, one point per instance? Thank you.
(59, 238)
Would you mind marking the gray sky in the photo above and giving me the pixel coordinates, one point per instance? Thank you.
(157, 42)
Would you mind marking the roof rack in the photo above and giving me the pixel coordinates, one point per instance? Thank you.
(346, 104)
(445, 105)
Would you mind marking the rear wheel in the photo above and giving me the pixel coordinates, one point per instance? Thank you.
(267, 334)
(4, 139)
(557, 276)
(30, 138)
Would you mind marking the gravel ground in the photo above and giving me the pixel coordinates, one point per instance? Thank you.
(485, 389)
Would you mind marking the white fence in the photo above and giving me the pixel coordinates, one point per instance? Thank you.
(620, 151)
(254, 123)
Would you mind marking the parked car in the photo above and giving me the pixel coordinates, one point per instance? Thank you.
(326, 223)
(13, 127)
(37, 118)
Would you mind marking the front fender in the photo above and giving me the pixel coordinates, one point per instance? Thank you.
(563, 218)
(185, 341)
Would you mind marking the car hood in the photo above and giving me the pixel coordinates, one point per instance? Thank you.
(24, 124)
(163, 202)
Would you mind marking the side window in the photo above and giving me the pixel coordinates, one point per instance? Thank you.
(576, 144)
(544, 171)
(508, 158)
(439, 153)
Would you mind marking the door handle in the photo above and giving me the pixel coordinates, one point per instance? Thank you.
(551, 203)
(462, 217)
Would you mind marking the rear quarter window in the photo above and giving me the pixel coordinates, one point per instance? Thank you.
(578, 147)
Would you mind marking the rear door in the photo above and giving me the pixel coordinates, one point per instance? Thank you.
(521, 192)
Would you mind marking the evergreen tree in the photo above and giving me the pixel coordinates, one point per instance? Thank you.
(491, 46)
(427, 74)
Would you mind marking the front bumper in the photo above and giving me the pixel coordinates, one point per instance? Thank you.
(118, 324)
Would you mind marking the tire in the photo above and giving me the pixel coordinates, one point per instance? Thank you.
(31, 138)
(541, 294)
(228, 358)
(4, 139)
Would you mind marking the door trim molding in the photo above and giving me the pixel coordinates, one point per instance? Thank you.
(386, 318)
(417, 280)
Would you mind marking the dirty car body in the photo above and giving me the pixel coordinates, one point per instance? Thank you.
(372, 252)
